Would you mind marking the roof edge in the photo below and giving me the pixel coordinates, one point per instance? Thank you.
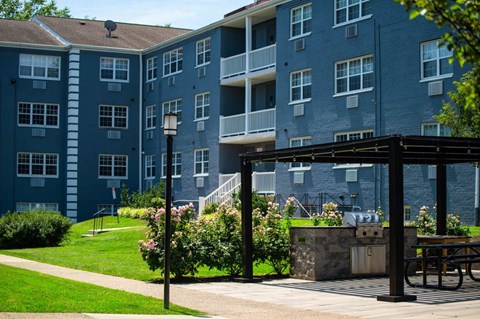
(33, 46)
(45, 27)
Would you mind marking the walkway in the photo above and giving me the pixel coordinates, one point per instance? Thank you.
(285, 298)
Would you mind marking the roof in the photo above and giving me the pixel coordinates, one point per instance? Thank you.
(21, 31)
(415, 150)
(93, 33)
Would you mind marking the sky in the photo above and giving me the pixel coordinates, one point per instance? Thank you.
(190, 14)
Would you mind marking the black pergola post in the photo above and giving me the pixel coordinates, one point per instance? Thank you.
(441, 199)
(397, 269)
(247, 241)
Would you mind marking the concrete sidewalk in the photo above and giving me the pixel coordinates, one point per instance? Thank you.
(276, 299)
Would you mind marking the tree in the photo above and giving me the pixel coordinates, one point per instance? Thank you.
(27, 9)
(462, 17)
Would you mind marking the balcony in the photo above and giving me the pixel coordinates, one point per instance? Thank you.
(261, 62)
(256, 126)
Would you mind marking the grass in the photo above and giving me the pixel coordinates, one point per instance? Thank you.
(21, 290)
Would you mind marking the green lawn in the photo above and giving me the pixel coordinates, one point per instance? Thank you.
(28, 291)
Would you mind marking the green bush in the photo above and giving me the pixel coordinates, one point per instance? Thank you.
(153, 197)
(427, 224)
(33, 229)
(210, 208)
(135, 213)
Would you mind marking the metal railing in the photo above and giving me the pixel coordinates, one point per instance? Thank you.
(98, 220)
(247, 123)
(259, 59)
(263, 182)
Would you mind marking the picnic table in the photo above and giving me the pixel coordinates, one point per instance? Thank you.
(443, 256)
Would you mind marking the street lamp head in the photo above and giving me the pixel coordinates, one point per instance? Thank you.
(170, 124)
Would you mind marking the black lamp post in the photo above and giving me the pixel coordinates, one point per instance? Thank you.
(169, 130)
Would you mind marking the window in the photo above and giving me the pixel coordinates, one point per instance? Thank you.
(151, 117)
(150, 166)
(297, 142)
(113, 116)
(39, 67)
(176, 164)
(407, 212)
(203, 52)
(201, 162)
(109, 208)
(435, 60)
(300, 85)
(354, 75)
(351, 10)
(152, 69)
(38, 114)
(301, 21)
(112, 69)
(111, 166)
(173, 62)
(174, 106)
(351, 136)
(22, 207)
(202, 105)
(37, 165)
(435, 129)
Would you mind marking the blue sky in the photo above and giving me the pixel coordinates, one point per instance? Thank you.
(191, 14)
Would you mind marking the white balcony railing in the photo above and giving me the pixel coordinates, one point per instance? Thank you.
(263, 182)
(259, 59)
(247, 123)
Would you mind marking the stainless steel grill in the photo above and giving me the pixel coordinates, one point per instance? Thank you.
(367, 224)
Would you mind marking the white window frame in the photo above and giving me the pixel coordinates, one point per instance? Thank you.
(38, 207)
(44, 111)
(113, 165)
(204, 51)
(348, 75)
(113, 117)
(41, 62)
(42, 159)
(176, 165)
(199, 160)
(115, 67)
(303, 141)
(109, 208)
(150, 166)
(152, 69)
(302, 21)
(305, 81)
(350, 137)
(150, 117)
(440, 129)
(170, 59)
(441, 53)
(173, 106)
(348, 6)
(202, 105)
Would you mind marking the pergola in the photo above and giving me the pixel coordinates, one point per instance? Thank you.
(394, 150)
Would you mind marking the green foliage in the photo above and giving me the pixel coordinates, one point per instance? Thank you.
(258, 201)
(331, 215)
(136, 213)
(33, 229)
(210, 208)
(427, 224)
(454, 226)
(27, 9)
(153, 197)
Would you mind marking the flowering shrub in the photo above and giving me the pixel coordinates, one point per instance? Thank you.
(184, 247)
(454, 227)
(426, 223)
(316, 219)
(331, 215)
(136, 213)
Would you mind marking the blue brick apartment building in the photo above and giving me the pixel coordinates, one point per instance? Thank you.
(81, 110)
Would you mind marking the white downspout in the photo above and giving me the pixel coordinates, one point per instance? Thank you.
(248, 81)
(477, 199)
(140, 125)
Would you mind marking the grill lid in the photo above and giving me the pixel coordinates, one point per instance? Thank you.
(357, 219)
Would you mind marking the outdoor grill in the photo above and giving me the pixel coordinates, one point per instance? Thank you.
(367, 224)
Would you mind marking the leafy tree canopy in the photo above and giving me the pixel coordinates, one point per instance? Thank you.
(27, 9)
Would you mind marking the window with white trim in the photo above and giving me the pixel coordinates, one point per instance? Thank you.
(347, 11)
(113, 116)
(150, 117)
(176, 165)
(202, 106)
(298, 142)
(150, 166)
(301, 21)
(174, 106)
(112, 166)
(152, 69)
(37, 165)
(201, 159)
(354, 75)
(352, 136)
(435, 60)
(39, 67)
(301, 85)
(109, 208)
(435, 129)
(173, 62)
(38, 114)
(114, 69)
(407, 213)
(39, 207)
(203, 52)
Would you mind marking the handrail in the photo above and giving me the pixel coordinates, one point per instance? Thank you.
(300, 205)
(95, 216)
(222, 192)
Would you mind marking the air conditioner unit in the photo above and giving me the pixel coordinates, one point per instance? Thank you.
(38, 132)
(300, 45)
(200, 126)
(171, 81)
(298, 109)
(41, 85)
(352, 101)
(148, 184)
(298, 177)
(351, 175)
(114, 87)
(435, 88)
(199, 182)
(37, 182)
(432, 172)
(150, 87)
(202, 72)
(113, 183)
(351, 31)
(114, 135)
(149, 135)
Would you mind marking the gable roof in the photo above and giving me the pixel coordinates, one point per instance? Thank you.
(27, 32)
(93, 33)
